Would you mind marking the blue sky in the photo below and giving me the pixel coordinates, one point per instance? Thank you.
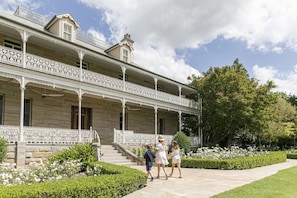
(179, 38)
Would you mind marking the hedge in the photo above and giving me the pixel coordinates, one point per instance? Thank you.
(292, 155)
(236, 163)
(115, 181)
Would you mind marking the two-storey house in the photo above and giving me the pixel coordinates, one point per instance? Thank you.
(58, 85)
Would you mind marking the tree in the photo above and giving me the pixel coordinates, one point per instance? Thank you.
(281, 127)
(234, 105)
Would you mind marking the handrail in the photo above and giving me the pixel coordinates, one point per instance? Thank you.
(96, 137)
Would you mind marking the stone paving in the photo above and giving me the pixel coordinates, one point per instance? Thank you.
(203, 183)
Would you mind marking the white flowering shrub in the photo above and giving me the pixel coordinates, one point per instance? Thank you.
(224, 153)
(47, 172)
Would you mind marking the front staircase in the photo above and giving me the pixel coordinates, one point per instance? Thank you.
(111, 155)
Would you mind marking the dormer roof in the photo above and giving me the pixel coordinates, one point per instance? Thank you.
(60, 16)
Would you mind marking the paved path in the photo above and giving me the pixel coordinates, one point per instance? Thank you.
(203, 183)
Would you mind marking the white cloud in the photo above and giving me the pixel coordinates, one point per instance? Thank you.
(160, 27)
(9, 6)
(286, 82)
(96, 34)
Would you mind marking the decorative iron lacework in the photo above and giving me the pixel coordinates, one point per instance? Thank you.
(11, 56)
(40, 135)
(43, 20)
(32, 16)
(37, 63)
(138, 139)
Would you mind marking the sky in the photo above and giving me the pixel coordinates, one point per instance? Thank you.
(179, 38)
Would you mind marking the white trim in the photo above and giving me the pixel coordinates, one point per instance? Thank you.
(64, 32)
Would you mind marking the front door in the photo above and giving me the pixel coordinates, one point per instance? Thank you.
(85, 118)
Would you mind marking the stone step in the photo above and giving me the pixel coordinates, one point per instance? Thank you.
(111, 155)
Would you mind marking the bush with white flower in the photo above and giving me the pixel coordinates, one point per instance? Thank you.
(77, 161)
(224, 153)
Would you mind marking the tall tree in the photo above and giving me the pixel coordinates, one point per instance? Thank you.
(234, 105)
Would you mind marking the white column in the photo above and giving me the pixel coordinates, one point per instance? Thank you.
(124, 77)
(81, 56)
(123, 119)
(180, 120)
(24, 38)
(21, 132)
(156, 123)
(79, 115)
(156, 87)
(179, 94)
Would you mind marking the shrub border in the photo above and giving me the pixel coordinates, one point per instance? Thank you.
(236, 163)
(115, 181)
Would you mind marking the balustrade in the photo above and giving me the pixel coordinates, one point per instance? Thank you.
(44, 65)
(135, 140)
(40, 135)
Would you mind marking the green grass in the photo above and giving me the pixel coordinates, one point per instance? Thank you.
(283, 184)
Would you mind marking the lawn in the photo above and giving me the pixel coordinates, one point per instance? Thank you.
(282, 184)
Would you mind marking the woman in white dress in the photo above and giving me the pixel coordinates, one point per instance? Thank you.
(161, 155)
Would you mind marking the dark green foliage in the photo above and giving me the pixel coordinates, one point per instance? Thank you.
(292, 155)
(183, 141)
(237, 163)
(117, 181)
(85, 153)
(234, 106)
(3, 149)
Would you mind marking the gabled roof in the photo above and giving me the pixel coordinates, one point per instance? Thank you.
(125, 41)
(60, 16)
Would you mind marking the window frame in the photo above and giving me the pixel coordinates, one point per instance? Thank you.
(86, 116)
(27, 117)
(126, 121)
(84, 65)
(67, 31)
(125, 55)
(13, 44)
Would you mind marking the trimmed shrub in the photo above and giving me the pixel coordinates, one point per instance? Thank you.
(84, 153)
(3, 149)
(116, 182)
(292, 155)
(183, 141)
(236, 163)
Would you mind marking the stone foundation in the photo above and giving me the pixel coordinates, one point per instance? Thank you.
(22, 155)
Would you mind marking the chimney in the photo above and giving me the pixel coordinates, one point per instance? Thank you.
(127, 37)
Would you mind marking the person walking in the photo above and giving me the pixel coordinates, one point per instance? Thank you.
(149, 157)
(176, 159)
(161, 155)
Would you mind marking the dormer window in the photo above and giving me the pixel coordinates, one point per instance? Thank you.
(123, 50)
(67, 31)
(64, 26)
(125, 55)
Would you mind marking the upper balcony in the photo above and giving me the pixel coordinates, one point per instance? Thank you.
(47, 66)
(49, 54)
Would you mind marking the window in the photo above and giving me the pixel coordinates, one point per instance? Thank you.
(121, 77)
(12, 44)
(125, 55)
(1, 109)
(84, 65)
(27, 112)
(86, 117)
(67, 31)
(159, 87)
(121, 121)
(161, 126)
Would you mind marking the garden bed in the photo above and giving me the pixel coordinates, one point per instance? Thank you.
(114, 181)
